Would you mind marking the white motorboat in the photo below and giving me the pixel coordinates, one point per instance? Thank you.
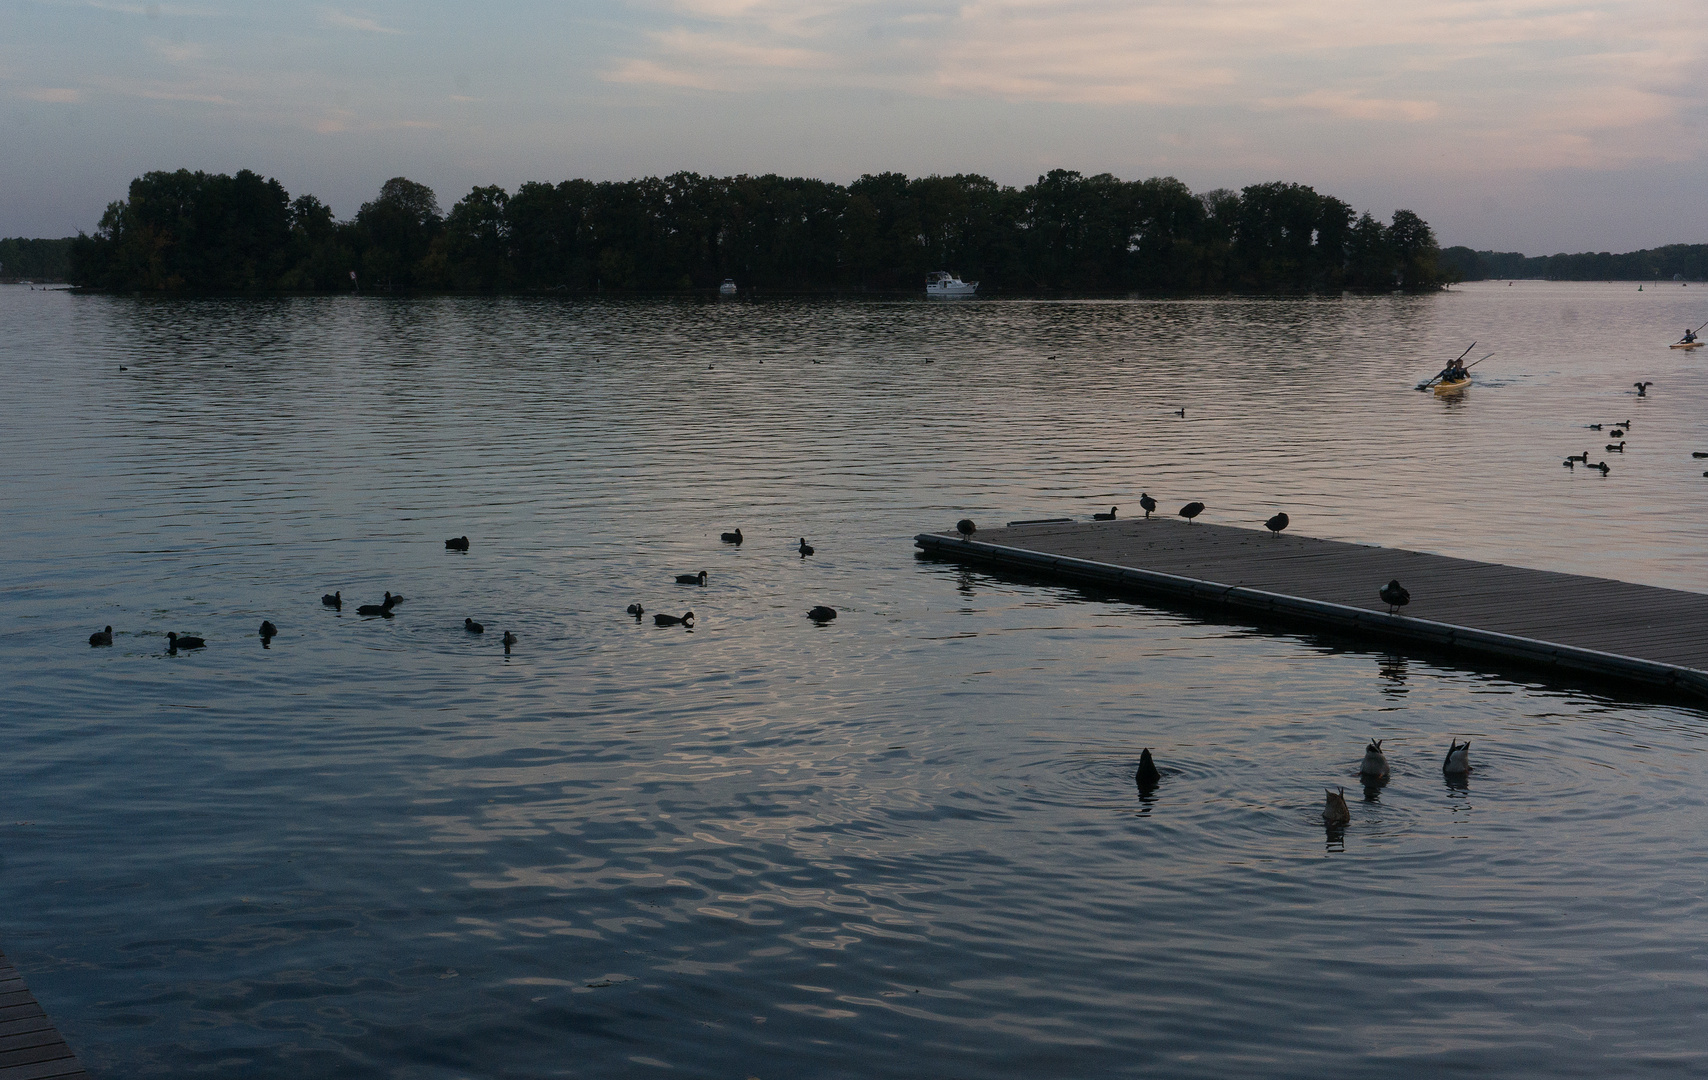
(727, 288)
(945, 286)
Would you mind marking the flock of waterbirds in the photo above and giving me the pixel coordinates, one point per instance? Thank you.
(819, 613)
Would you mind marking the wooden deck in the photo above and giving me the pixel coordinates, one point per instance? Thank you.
(30, 1049)
(1566, 622)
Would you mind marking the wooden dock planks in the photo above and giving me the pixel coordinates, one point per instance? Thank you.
(1591, 625)
(30, 1048)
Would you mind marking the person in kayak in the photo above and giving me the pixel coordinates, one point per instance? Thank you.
(1454, 372)
(1689, 336)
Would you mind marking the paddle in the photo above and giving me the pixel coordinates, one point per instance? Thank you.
(1427, 383)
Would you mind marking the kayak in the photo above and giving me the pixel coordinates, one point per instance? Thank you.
(1449, 387)
(1686, 345)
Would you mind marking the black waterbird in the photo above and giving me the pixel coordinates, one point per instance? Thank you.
(1148, 775)
(1616, 448)
(268, 629)
(1394, 595)
(458, 543)
(822, 614)
(684, 619)
(176, 641)
(805, 549)
(1458, 760)
(102, 637)
(1146, 503)
(1191, 510)
(334, 599)
(732, 537)
(1110, 516)
(473, 627)
(1643, 388)
(966, 528)
(691, 579)
(1277, 523)
(636, 610)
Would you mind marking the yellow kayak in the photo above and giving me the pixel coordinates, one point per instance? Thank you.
(1449, 387)
(1686, 345)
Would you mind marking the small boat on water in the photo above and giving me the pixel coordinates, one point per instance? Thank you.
(946, 286)
(727, 288)
(1685, 345)
(1445, 387)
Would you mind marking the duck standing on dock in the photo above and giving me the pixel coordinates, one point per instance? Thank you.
(1147, 503)
(1277, 523)
(1191, 510)
(1394, 595)
(1375, 764)
(966, 528)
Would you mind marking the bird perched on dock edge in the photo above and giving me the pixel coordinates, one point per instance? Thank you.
(473, 627)
(1334, 809)
(1148, 775)
(1394, 595)
(691, 579)
(458, 543)
(1375, 763)
(805, 549)
(1458, 760)
(966, 528)
(1147, 503)
(1277, 523)
(732, 537)
(1110, 516)
(102, 637)
(1191, 510)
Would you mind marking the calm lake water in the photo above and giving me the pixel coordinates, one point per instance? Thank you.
(904, 844)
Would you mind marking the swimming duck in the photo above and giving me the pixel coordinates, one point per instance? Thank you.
(732, 537)
(1147, 503)
(1617, 433)
(1595, 427)
(1698, 453)
(966, 528)
(1583, 457)
(509, 640)
(1569, 463)
(636, 610)
(1277, 523)
(1110, 516)
(392, 599)
(1180, 413)
(691, 579)
(1334, 809)
(1394, 595)
(1148, 775)
(175, 641)
(822, 614)
(1375, 763)
(333, 599)
(1643, 388)
(268, 629)
(377, 609)
(1191, 510)
(102, 637)
(1616, 448)
(1603, 466)
(805, 549)
(1458, 760)
(458, 543)
(473, 627)
(685, 618)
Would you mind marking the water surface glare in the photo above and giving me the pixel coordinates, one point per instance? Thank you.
(904, 843)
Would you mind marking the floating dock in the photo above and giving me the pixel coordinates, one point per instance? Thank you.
(1564, 622)
(30, 1049)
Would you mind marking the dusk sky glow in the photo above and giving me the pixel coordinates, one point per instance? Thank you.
(1531, 125)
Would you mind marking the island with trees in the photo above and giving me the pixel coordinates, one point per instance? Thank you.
(198, 232)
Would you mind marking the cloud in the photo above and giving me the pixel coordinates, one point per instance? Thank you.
(356, 22)
(177, 52)
(1353, 106)
(58, 95)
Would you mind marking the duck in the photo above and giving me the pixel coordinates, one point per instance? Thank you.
(1616, 448)
(1458, 760)
(1617, 433)
(805, 548)
(473, 627)
(1180, 413)
(1603, 466)
(822, 614)
(1595, 427)
(333, 599)
(1375, 763)
(1110, 516)
(509, 640)
(1147, 503)
(684, 619)
(1334, 808)
(1570, 463)
(966, 528)
(1277, 523)
(458, 543)
(268, 629)
(1583, 457)
(1699, 453)
(176, 641)
(1148, 775)
(1643, 388)
(392, 599)
(1191, 510)
(636, 610)
(102, 637)
(376, 609)
(1394, 595)
(691, 579)
(732, 537)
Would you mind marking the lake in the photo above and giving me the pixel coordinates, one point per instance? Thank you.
(905, 843)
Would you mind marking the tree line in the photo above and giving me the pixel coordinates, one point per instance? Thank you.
(202, 232)
(35, 260)
(1687, 262)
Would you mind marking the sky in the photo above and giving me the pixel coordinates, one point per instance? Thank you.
(1519, 125)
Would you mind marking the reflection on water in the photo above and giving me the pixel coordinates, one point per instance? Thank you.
(907, 842)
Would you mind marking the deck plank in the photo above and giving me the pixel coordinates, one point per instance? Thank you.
(30, 1047)
(1598, 625)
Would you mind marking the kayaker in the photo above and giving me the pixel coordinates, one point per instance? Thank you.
(1453, 372)
(1689, 336)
